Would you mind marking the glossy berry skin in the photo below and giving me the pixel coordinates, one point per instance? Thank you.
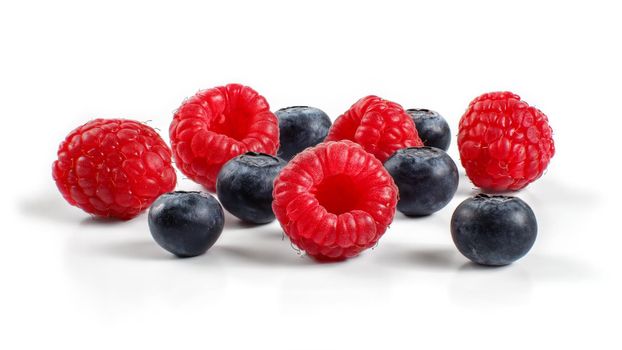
(381, 127)
(245, 183)
(113, 168)
(427, 179)
(432, 128)
(300, 127)
(186, 223)
(218, 124)
(493, 230)
(334, 200)
(504, 143)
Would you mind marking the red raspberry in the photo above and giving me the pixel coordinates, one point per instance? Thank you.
(380, 126)
(113, 168)
(218, 124)
(334, 200)
(504, 143)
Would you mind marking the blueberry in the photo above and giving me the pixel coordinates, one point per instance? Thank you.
(186, 223)
(493, 230)
(300, 127)
(427, 179)
(244, 186)
(432, 128)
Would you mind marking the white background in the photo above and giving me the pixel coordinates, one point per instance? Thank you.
(74, 282)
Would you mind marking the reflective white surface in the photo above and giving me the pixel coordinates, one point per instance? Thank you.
(75, 282)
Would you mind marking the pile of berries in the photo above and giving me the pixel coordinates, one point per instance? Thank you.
(333, 188)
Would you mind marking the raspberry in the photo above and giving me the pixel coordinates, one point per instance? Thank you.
(380, 126)
(504, 143)
(334, 200)
(218, 124)
(113, 168)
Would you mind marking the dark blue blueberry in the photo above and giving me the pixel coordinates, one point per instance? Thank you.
(186, 223)
(493, 230)
(432, 128)
(244, 186)
(427, 179)
(300, 127)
